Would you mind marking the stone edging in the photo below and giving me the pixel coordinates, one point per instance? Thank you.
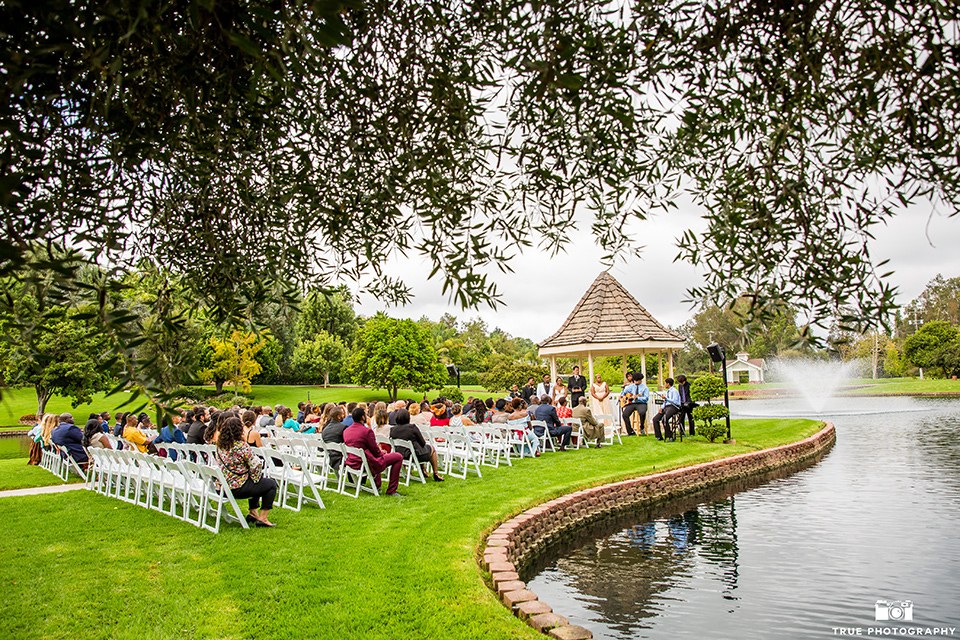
(514, 541)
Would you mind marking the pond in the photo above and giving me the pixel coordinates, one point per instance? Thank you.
(807, 555)
(14, 446)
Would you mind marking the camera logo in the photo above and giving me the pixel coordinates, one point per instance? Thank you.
(899, 610)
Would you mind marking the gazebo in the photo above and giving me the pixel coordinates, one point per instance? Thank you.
(608, 321)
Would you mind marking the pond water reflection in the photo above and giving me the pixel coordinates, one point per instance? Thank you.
(783, 557)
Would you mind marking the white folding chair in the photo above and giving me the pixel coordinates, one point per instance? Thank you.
(296, 473)
(545, 440)
(411, 463)
(577, 426)
(463, 456)
(357, 475)
(215, 498)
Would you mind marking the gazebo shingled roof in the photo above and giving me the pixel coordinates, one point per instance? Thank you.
(606, 314)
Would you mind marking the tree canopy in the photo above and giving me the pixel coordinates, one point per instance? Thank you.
(257, 148)
(395, 353)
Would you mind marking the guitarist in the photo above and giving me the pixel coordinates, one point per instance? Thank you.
(636, 395)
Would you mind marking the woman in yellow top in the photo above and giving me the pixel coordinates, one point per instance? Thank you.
(132, 434)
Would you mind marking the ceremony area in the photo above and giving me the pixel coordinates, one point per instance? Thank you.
(86, 565)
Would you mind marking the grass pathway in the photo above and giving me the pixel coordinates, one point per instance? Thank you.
(81, 565)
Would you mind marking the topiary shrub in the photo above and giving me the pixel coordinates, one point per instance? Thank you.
(227, 400)
(705, 415)
(705, 389)
(452, 393)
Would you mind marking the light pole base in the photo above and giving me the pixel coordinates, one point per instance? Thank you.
(730, 441)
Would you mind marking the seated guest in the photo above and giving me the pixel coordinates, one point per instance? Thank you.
(519, 420)
(479, 414)
(458, 419)
(359, 436)
(333, 431)
(199, 426)
(69, 436)
(382, 422)
(418, 417)
(591, 428)
(243, 472)
(105, 421)
(311, 421)
(170, 431)
(563, 411)
(250, 434)
(133, 435)
(532, 407)
(121, 424)
(93, 435)
(439, 417)
(50, 422)
(187, 423)
(285, 419)
(301, 412)
(500, 416)
(406, 431)
(348, 415)
(213, 428)
(546, 413)
(265, 419)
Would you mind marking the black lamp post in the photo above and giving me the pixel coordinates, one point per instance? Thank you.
(718, 354)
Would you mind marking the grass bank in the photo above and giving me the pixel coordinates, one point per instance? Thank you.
(82, 565)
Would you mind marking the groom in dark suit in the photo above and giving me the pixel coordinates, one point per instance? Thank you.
(577, 384)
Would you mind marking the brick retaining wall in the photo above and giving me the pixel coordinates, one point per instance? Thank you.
(522, 536)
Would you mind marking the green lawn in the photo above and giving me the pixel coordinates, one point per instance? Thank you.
(16, 474)
(82, 565)
(20, 402)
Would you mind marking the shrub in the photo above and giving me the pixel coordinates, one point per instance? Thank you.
(194, 393)
(706, 388)
(502, 376)
(227, 400)
(452, 393)
(705, 415)
(28, 419)
(469, 378)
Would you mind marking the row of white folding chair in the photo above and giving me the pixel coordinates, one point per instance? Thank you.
(200, 490)
(346, 477)
(295, 477)
(493, 444)
(410, 462)
(200, 453)
(457, 452)
(52, 461)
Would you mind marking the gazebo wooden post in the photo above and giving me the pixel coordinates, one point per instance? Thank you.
(590, 364)
(670, 361)
(660, 370)
(553, 370)
(643, 372)
(623, 368)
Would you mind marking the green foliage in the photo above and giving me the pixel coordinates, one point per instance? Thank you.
(314, 361)
(922, 348)
(394, 353)
(504, 375)
(452, 393)
(947, 358)
(706, 388)
(268, 357)
(227, 400)
(469, 378)
(233, 360)
(327, 312)
(705, 416)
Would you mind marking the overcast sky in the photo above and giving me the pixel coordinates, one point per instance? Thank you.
(542, 292)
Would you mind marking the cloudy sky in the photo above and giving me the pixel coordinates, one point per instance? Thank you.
(543, 290)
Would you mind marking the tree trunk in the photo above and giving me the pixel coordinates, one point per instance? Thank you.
(393, 393)
(219, 383)
(326, 379)
(43, 396)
